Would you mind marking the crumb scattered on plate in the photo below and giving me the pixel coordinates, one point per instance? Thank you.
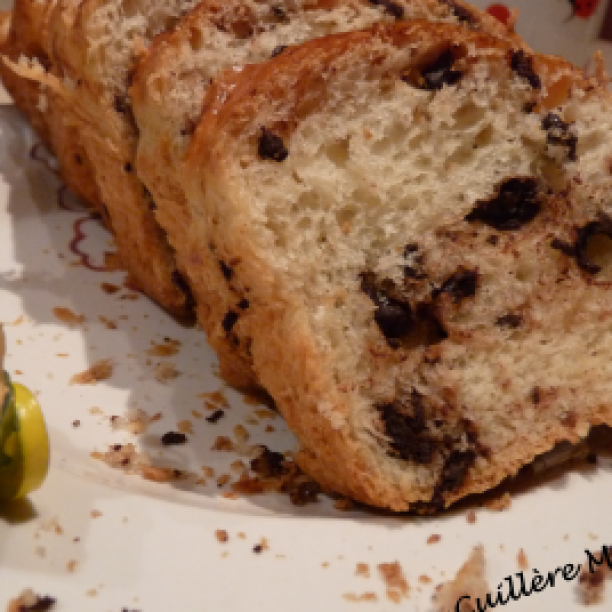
(65, 315)
(499, 503)
(100, 370)
(363, 569)
(523, 563)
(393, 576)
(434, 538)
(28, 601)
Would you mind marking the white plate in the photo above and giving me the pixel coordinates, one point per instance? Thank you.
(98, 540)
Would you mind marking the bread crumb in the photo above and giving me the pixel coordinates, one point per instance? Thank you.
(107, 322)
(221, 535)
(269, 428)
(101, 370)
(523, 563)
(265, 413)
(165, 371)
(28, 600)
(135, 422)
(363, 569)
(424, 579)
(91, 592)
(71, 566)
(393, 576)
(591, 584)
(223, 443)
(241, 434)
(65, 315)
(109, 288)
(95, 514)
(223, 480)
(196, 414)
(168, 348)
(353, 597)
(217, 398)
(499, 503)
(185, 427)
(434, 539)
(471, 517)
(469, 581)
(238, 466)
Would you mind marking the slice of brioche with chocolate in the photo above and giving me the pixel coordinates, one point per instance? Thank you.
(167, 99)
(94, 47)
(419, 219)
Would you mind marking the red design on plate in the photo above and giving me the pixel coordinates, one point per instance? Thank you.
(584, 8)
(75, 246)
(499, 11)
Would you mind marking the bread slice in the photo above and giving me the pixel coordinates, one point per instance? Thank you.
(24, 69)
(418, 217)
(94, 45)
(168, 91)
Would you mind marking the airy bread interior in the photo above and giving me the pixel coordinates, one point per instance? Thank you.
(419, 224)
(172, 79)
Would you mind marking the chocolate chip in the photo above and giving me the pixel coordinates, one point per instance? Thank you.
(42, 604)
(438, 74)
(271, 146)
(460, 12)
(529, 107)
(305, 492)
(558, 133)
(404, 423)
(226, 270)
(516, 204)
(278, 12)
(510, 320)
(395, 10)
(173, 437)
(121, 104)
(456, 467)
(215, 416)
(127, 167)
(536, 395)
(522, 64)
(257, 549)
(229, 320)
(591, 459)
(243, 304)
(278, 50)
(460, 285)
(578, 251)
(415, 269)
(393, 317)
(269, 464)
(179, 280)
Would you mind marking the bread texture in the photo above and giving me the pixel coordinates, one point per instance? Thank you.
(168, 91)
(418, 223)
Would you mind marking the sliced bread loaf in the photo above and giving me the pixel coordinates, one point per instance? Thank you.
(94, 45)
(418, 218)
(167, 99)
(24, 69)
